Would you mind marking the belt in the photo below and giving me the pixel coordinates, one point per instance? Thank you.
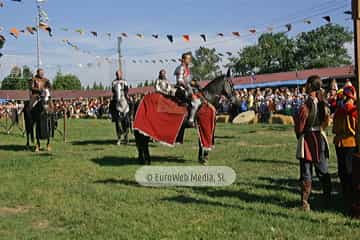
(313, 129)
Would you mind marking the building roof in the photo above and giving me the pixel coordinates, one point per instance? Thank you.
(238, 81)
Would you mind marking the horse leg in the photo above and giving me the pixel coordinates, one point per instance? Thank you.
(48, 145)
(203, 155)
(118, 132)
(146, 151)
(37, 129)
(139, 140)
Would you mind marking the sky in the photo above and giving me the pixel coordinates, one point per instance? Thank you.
(176, 17)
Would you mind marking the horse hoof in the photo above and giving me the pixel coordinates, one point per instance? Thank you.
(48, 148)
(37, 149)
(118, 143)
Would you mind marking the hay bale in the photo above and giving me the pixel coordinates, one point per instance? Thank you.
(281, 119)
(222, 118)
(245, 118)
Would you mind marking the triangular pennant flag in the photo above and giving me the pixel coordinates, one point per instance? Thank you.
(307, 21)
(253, 31)
(237, 34)
(2, 41)
(174, 60)
(124, 34)
(203, 36)
(134, 61)
(220, 34)
(139, 35)
(161, 61)
(30, 30)
(95, 34)
(289, 27)
(65, 29)
(170, 37)
(166, 60)
(147, 61)
(14, 32)
(80, 31)
(109, 35)
(46, 27)
(153, 61)
(220, 54)
(156, 36)
(348, 12)
(327, 18)
(186, 38)
(229, 53)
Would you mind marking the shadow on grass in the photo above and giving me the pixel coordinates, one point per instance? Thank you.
(13, 148)
(118, 181)
(270, 161)
(98, 142)
(109, 161)
(247, 197)
(225, 137)
(182, 199)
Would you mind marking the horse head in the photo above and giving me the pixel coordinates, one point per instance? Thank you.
(221, 85)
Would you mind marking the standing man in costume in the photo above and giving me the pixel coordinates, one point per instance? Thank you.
(313, 149)
(163, 86)
(344, 128)
(119, 107)
(183, 81)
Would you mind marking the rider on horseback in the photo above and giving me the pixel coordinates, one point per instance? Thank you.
(39, 86)
(163, 86)
(119, 106)
(183, 82)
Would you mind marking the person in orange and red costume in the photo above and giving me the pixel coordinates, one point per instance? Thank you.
(312, 148)
(344, 128)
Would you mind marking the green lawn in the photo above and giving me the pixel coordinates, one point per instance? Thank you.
(85, 189)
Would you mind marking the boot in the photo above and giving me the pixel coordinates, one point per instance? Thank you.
(195, 104)
(305, 195)
(347, 191)
(326, 184)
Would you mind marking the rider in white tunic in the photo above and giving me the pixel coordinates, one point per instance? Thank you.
(183, 81)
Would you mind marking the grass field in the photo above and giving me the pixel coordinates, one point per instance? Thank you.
(85, 189)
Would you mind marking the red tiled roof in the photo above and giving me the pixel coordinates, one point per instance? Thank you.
(323, 72)
(299, 75)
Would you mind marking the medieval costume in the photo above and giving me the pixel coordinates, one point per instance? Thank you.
(183, 81)
(120, 108)
(163, 86)
(313, 149)
(39, 87)
(344, 128)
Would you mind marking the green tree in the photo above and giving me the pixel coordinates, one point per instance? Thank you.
(205, 64)
(66, 82)
(323, 47)
(249, 60)
(18, 79)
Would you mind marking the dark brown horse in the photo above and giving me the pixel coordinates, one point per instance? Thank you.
(221, 86)
(39, 115)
